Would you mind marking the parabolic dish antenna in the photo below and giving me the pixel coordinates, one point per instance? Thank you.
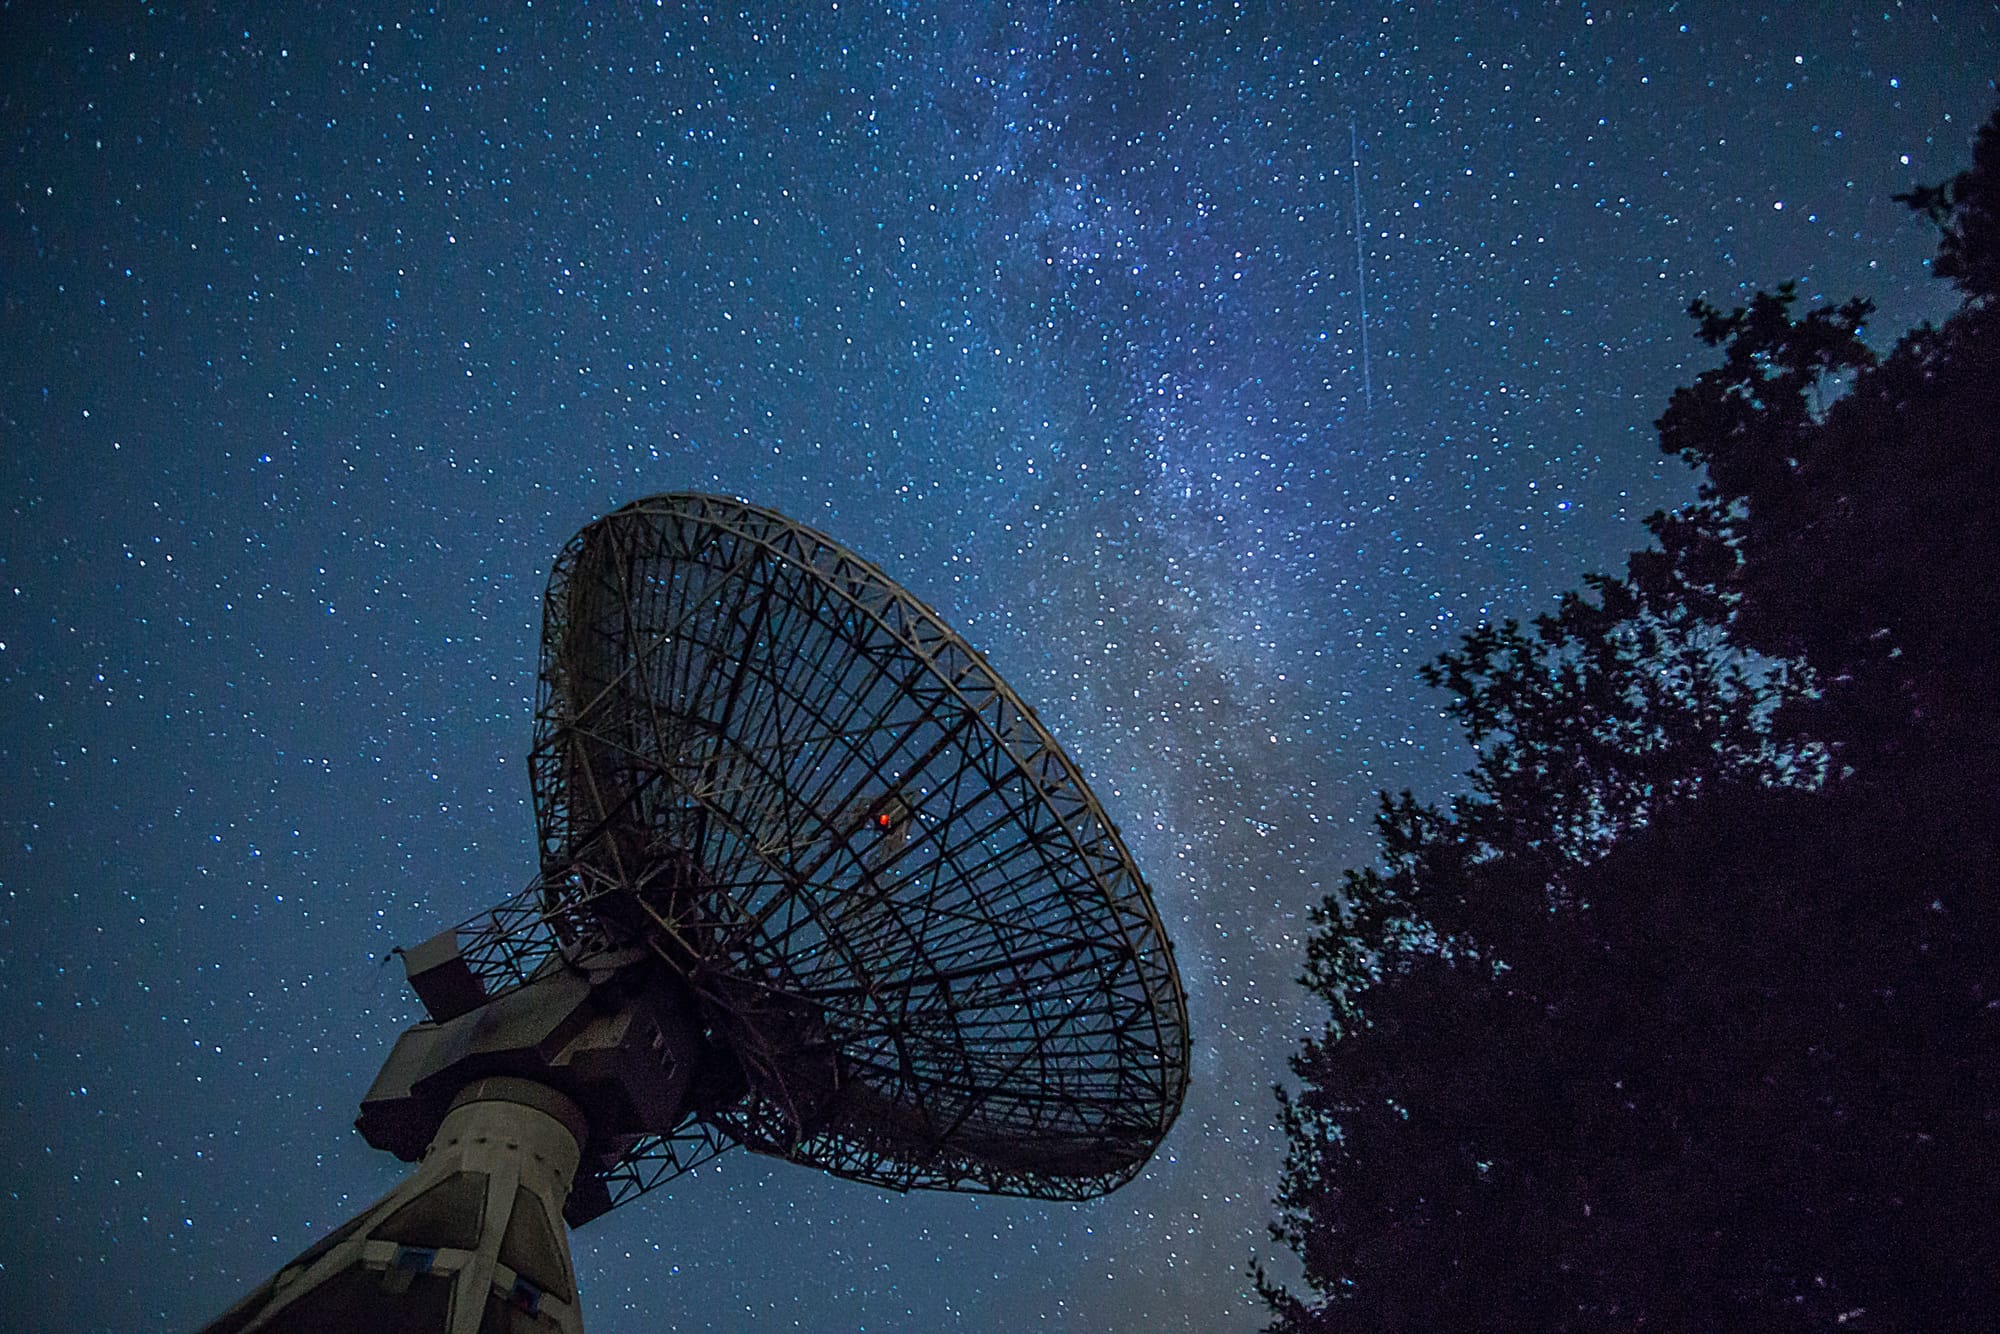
(814, 881)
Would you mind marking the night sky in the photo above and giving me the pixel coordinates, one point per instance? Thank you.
(322, 335)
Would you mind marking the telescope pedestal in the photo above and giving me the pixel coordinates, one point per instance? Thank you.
(472, 1243)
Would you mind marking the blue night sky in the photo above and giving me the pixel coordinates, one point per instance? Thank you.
(322, 333)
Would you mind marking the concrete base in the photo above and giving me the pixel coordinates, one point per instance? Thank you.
(472, 1243)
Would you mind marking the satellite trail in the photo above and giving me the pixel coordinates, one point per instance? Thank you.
(1360, 266)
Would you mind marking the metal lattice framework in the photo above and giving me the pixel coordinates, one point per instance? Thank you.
(891, 894)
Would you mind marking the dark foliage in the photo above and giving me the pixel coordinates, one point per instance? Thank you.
(1967, 210)
(1687, 1015)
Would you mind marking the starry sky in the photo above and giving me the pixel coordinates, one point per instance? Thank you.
(1210, 366)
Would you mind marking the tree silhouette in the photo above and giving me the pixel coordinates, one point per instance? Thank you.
(1687, 1013)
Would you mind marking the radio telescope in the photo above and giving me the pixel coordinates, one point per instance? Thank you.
(814, 881)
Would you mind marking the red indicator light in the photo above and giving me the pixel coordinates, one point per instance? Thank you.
(882, 821)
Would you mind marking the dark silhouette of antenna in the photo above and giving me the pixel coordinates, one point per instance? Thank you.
(814, 881)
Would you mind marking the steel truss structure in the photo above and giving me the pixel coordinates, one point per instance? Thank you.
(891, 895)
(813, 881)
